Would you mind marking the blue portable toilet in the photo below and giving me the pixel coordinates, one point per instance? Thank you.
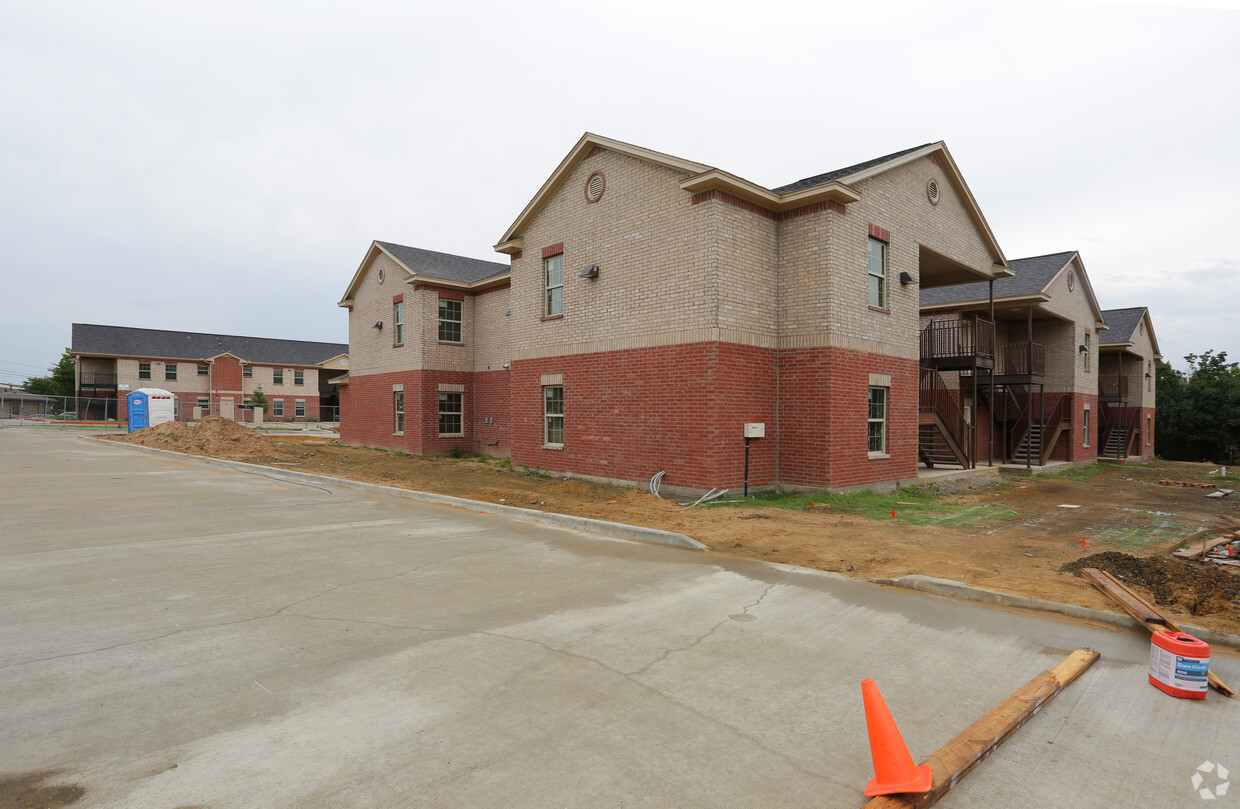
(150, 406)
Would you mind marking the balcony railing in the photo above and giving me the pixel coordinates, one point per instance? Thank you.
(90, 379)
(1023, 359)
(972, 338)
(1113, 386)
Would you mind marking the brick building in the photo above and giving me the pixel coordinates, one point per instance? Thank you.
(652, 306)
(1127, 384)
(217, 372)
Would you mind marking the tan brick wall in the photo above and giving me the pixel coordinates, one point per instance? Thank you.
(1065, 368)
(371, 350)
(492, 329)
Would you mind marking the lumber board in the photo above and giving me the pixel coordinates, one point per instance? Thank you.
(970, 747)
(1205, 547)
(1138, 607)
(1232, 520)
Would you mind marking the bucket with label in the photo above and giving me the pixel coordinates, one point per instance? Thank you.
(1179, 664)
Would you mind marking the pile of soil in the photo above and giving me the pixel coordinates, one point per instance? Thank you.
(1199, 589)
(214, 436)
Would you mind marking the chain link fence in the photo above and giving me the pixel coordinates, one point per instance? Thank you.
(18, 407)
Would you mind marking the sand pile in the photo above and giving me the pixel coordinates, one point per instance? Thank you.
(213, 436)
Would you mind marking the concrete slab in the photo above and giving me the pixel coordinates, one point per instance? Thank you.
(174, 634)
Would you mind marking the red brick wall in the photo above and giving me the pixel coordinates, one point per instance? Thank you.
(1148, 417)
(628, 414)
(824, 396)
(491, 401)
(366, 411)
(226, 375)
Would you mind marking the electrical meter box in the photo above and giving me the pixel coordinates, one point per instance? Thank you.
(755, 430)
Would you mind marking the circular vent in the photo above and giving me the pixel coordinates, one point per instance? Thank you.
(932, 191)
(596, 183)
(379, 276)
(1071, 280)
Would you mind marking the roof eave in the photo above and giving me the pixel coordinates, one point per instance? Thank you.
(719, 180)
(483, 283)
(1014, 300)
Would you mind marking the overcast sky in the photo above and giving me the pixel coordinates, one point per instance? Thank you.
(223, 167)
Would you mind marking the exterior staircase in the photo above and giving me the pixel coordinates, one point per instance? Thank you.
(1117, 443)
(1031, 443)
(934, 449)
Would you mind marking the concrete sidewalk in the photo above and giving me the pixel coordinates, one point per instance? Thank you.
(176, 634)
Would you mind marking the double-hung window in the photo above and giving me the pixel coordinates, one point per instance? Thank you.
(277, 407)
(398, 320)
(553, 281)
(553, 415)
(299, 408)
(203, 370)
(449, 321)
(877, 421)
(878, 273)
(398, 411)
(144, 370)
(248, 372)
(1087, 351)
(277, 376)
(299, 377)
(170, 372)
(450, 412)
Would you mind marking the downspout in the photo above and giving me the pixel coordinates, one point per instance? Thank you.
(994, 362)
(1029, 404)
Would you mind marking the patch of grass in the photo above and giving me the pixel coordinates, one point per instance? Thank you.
(1077, 472)
(1145, 528)
(535, 472)
(915, 505)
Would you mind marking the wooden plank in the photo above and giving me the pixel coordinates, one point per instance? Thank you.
(1207, 545)
(1138, 607)
(971, 746)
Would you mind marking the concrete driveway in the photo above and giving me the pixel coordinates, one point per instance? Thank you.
(174, 634)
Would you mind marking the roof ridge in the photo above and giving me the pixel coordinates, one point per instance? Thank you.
(821, 178)
(1045, 255)
(209, 334)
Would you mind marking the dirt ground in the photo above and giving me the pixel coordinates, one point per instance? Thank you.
(1015, 537)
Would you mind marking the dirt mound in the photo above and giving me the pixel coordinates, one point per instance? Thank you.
(212, 436)
(1196, 588)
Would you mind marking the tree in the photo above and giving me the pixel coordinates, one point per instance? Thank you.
(60, 383)
(1199, 411)
(258, 399)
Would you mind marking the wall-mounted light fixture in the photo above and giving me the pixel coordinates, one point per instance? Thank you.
(906, 278)
(1148, 375)
(378, 324)
(1084, 349)
(590, 271)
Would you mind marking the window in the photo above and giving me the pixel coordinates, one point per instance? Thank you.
(299, 408)
(144, 370)
(1149, 375)
(1085, 428)
(1087, 351)
(450, 411)
(878, 275)
(277, 376)
(398, 319)
(553, 415)
(248, 371)
(277, 407)
(449, 321)
(204, 402)
(203, 370)
(398, 411)
(877, 420)
(299, 377)
(553, 275)
(170, 371)
(1149, 428)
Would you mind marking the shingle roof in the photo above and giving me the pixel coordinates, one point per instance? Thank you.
(1032, 276)
(444, 265)
(129, 342)
(1122, 323)
(830, 176)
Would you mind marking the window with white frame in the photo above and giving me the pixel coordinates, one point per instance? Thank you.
(248, 371)
(1149, 429)
(170, 372)
(449, 321)
(1149, 375)
(204, 402)
(277, 407)
(204, 370)
(299, 377)
(398, 411)
(876, 417)
(299, 408)
(144, 370)
(277, 376)
(553, 278)
(1085, 428)
(1087, 351)
(398, 320)
(451, 411)
(878, 273)
(553, 415)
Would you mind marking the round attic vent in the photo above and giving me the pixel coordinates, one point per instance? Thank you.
(1071, 280)
(596, 183)
(379, 276)
(932, 191)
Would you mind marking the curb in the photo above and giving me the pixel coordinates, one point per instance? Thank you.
(612, 529)
(955, 589)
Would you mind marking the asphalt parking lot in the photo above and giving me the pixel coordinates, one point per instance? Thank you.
(174, 634)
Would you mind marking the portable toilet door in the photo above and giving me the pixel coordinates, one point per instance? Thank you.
(139, 415)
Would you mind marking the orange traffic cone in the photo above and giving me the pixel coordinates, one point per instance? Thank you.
(894, 770)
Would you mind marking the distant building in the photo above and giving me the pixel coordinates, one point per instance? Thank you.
(217, 372)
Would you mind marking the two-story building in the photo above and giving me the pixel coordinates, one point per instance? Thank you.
(654, 306)
(1127, 384)
(217, 373)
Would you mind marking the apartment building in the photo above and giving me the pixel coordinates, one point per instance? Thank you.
(652, 307)
(215, 372)
(1127, 384)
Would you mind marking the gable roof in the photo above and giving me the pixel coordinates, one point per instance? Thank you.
(429, 266)
(124, 341)
(1123, 327)
(831, 186)
(1032, 277)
